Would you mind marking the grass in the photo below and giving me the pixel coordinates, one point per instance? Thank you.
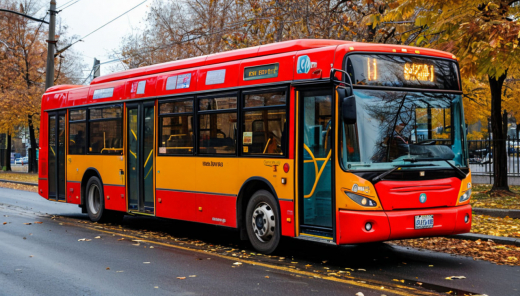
(21, 177)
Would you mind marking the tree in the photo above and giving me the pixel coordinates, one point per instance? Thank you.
(22, 71)
(483, 35)
(184, 29)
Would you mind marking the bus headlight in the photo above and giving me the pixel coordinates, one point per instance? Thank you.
(465, 196)
(361, 200)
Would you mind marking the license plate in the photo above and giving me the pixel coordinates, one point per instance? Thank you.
(423, 221)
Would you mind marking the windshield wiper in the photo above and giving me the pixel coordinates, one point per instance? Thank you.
(378, 178)
(413, 159)
(459, 171)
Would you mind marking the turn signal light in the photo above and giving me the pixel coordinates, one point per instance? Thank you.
(286, 167)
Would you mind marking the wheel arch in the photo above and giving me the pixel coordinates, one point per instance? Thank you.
(245, 193)
(89, 173)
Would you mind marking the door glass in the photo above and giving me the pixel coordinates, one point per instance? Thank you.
(61, 157)
(148, 159)
(132, 156)
(317, 153)
(52, 156)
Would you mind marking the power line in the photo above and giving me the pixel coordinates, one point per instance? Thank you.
(65, 4)
(61, 9)
(106, 24)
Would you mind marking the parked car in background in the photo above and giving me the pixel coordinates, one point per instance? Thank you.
(18, 160)
(487, 159)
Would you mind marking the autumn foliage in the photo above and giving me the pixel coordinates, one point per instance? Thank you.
(23, 53)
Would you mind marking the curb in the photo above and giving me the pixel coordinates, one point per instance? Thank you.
(500, 213)
(18, 182)
(497, 239)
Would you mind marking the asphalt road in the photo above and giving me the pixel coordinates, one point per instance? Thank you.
(148, 256)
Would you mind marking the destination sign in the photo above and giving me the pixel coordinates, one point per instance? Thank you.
(261, 72)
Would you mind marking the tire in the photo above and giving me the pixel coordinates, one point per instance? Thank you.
(263, 222)
(95, 200)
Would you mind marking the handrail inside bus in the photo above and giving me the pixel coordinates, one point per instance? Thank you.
(267, 145)
(318, 174)
(147, 159)
(111, 149)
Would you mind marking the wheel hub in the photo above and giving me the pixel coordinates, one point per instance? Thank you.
(264, 222)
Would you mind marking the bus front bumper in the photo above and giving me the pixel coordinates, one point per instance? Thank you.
(390, 225)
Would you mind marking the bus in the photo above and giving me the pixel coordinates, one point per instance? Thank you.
(331, 141)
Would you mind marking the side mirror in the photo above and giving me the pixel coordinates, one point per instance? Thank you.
(348, 110)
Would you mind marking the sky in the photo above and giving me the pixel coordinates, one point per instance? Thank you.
(86, 16)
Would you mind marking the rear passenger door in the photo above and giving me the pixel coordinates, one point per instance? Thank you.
(56, 162)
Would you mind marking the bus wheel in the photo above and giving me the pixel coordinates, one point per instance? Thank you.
(262, 223)
(95, 202)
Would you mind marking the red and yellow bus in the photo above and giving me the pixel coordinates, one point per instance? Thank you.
(332, 141)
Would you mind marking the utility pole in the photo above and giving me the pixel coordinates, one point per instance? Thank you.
(51, 44)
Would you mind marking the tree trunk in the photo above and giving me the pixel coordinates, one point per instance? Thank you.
(499, 142)
(7, 155)
(33, 164)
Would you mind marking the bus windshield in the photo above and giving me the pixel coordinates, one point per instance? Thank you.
(397, 128)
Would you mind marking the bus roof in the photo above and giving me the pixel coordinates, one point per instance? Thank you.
(222, 57)
(252, 52)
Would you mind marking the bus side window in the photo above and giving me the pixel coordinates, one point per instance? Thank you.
(264, 118)
(77, 131)
(106, 130)
(176, 127)
(217, 119)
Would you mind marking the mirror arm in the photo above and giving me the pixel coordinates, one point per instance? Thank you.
(337, 82)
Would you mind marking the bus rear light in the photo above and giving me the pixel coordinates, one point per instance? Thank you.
(286, 167)
(361, 200)
(284, 180)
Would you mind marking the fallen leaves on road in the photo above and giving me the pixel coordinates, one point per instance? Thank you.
(456, 277)
(146, 262)
(479, 250)
(5, 223)
(181, 277)
(506, 227)
(19, 187)
(38, 222)
(27, 223)
(84, 240)
(237, 263)
(98, 236)
(360, 294)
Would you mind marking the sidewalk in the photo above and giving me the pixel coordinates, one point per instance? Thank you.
(500, 213)
(512, 241)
